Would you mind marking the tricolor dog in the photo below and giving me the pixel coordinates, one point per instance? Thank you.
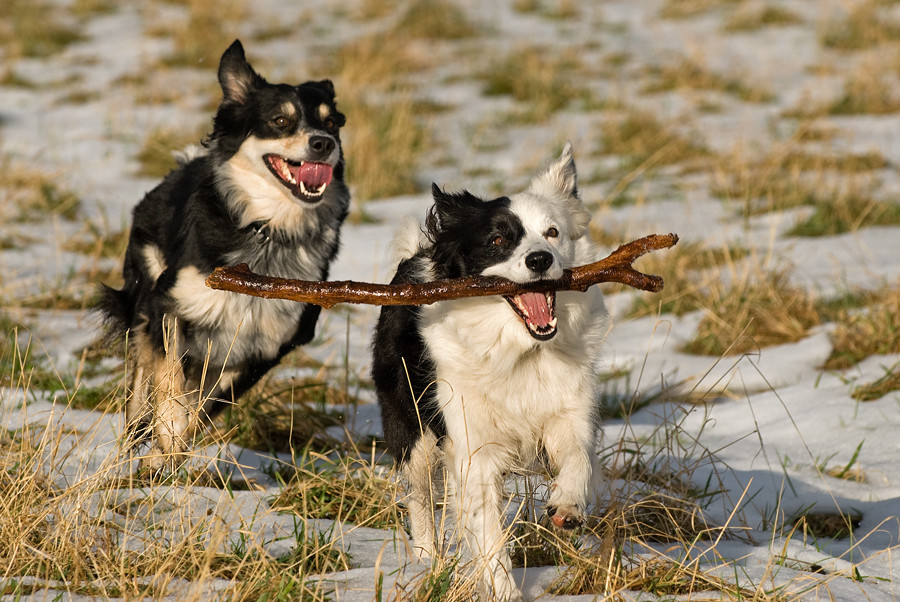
(267, 190)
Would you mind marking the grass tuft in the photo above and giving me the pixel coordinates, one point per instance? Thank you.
(864, 25)
(155, 156)
(862, 333)
(880, 387)
(209, 29)
(645, 140)
(347, 489)
(757, 310)
(537, 78)
(31, 194)
(435, 20)
(754, 16)
(692, 74)
(34, 29)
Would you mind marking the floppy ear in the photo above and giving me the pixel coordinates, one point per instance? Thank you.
(558, 180)
(236, 76)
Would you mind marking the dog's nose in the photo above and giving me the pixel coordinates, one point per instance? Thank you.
(539, 261)
(321, 145)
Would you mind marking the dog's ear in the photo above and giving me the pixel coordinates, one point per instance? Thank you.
(236, 76)
(326, 86)
(560, 179)
(450, 209)
(559, 183)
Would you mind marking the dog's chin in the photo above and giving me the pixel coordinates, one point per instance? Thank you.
(537, 311)
(306, 180)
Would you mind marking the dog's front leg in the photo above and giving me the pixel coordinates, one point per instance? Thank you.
(477, 477)
(577, 469)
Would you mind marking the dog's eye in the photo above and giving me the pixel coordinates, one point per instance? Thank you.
(498, 241)
(551, 233)
(280, 121)
(329, 123)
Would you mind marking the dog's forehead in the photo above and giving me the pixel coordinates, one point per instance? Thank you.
(535, 211)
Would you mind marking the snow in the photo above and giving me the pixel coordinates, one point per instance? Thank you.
(770, 418)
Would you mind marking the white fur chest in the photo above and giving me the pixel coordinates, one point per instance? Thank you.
(232, 326)
(493, 375)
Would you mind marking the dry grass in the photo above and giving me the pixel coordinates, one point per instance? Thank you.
(209, 29)
(349, 489)
(839, 186)
(691, 73)
(864, 25)
(870, 88)
(281, 415)
(538, 78)
(688, 270)
(383, 143)
(107, 536)
(28, 194)
(643, 140)
(552, 9)
(435, 20)
(681, 9)
(862, 333)
(155, 156)
(880, 387)
(757, 310)
(752, 16)
(33, 28)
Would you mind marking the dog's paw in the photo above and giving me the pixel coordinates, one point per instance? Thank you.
(565, 517)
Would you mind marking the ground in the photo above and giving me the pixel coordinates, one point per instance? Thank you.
(752, 407)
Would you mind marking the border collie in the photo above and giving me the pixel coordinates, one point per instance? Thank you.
(267, 190)
(485, 385)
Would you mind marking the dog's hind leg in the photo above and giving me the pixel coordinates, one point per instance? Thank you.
(477, 474)
(422, 472)
(172, 416)
(138, 382)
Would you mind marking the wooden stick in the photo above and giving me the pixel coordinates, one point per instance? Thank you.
(614, 268)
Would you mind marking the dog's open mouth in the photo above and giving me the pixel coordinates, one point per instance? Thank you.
(537, 310)
(306, 180)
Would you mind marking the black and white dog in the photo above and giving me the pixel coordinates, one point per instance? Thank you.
(487, 384)
(268, 191)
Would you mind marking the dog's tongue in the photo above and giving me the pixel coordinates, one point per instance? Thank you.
(313, 175)
(537, 307)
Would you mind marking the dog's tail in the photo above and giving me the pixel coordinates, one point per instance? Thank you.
(115, 308)
(409, 240)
